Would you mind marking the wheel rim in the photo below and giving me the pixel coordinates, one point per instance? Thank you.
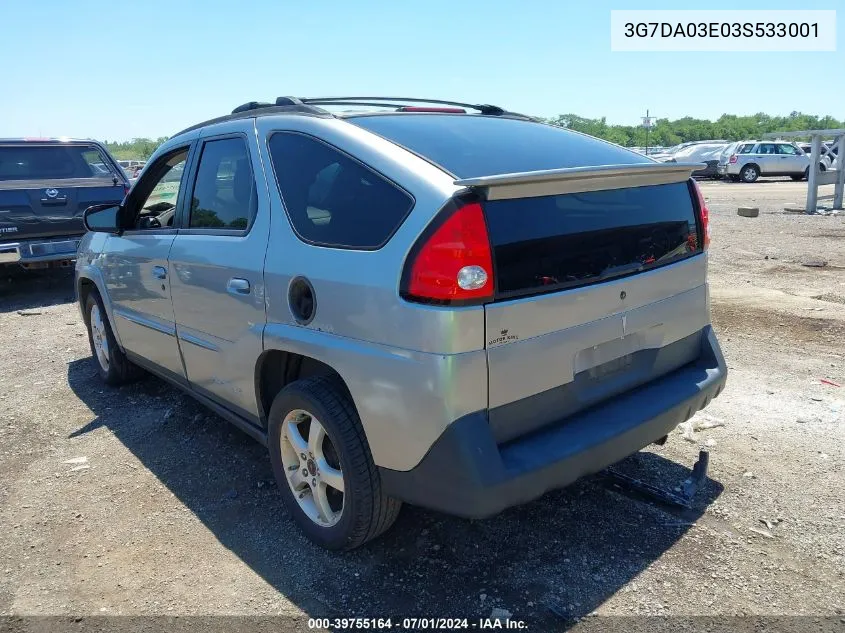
(312, 468)
(748, 174)
(98, 335)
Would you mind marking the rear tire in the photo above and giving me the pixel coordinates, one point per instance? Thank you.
(112, 365)
(311, 472)
(749, 173)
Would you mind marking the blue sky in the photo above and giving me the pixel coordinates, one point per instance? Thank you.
(149, 68)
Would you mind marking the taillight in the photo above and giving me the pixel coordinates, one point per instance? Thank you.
(454, 264)
(733, 159)
(703, 215)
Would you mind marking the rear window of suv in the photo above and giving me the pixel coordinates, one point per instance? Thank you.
(52, 162)
(550, 243)
(469, 146)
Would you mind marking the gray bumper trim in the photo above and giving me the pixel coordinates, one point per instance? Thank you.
(466, 473)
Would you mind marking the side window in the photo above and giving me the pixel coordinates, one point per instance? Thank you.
(785, 148)
(746, 148)
(331, 198)
(96, 163)
(159, 190)
(225, 196)
(766, 148)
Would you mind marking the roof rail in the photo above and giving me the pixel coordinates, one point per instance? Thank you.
(251, 105)
(398, 102)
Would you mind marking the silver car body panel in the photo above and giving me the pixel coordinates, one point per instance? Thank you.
(552, 337)
(220, 331)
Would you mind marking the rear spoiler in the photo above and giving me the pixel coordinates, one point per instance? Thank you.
(550, 182)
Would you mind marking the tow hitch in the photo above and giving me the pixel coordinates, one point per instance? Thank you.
(682, 495)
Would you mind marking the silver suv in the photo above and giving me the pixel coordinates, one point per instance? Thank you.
(449, 305)
(746, 161)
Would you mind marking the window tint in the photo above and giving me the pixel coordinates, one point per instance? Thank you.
(52, 162)
(470, 145)
(553, 242)
(159, 190)
(224, 196)
(784, 148)
(332, 199)
(766, 148)
(746, 148)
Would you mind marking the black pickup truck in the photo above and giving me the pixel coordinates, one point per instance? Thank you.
(45, 186)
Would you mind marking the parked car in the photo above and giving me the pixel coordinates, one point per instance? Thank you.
(707, 153)
(827, 157)
(670, 152)
(752, 159)
(45, 186)
(460, 308)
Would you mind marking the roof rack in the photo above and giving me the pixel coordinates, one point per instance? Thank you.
(310, 106)
(397, 102)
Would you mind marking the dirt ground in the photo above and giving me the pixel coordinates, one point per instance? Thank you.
(173, 512)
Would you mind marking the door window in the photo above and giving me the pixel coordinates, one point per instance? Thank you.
(766, 148)
(225, 196)
(784, 148)
(159, 191)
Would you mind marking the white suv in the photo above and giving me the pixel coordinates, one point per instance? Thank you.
(748, 160)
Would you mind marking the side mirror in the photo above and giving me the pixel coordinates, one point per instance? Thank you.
(103, 218)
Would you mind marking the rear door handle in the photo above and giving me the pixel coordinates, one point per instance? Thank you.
(159, 272)
(237, 286)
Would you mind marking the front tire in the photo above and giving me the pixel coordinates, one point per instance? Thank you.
(323, 465)
(112, 365)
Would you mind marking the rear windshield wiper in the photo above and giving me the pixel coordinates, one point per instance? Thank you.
(622, 269)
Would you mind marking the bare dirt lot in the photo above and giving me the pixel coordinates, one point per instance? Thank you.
(173, 512)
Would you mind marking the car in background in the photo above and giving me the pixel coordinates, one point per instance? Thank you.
(707, 153)
(826, 159)
(749, 160)
(671, 151)
(45, 187)
(131, 164)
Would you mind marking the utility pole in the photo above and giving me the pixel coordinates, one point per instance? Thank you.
(647, 123)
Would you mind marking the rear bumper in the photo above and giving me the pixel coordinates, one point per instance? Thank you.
(40, 250)
(466, 473)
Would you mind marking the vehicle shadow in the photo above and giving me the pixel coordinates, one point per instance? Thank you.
(548, 563)
(27, 290)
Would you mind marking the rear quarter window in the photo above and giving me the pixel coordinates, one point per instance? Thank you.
(331, 198)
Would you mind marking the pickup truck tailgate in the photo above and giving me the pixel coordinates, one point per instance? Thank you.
(44, 189)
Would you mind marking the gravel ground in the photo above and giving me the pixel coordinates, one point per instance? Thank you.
(138, 501)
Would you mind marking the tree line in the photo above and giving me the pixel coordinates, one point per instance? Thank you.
(664, 132)
(667, 133)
